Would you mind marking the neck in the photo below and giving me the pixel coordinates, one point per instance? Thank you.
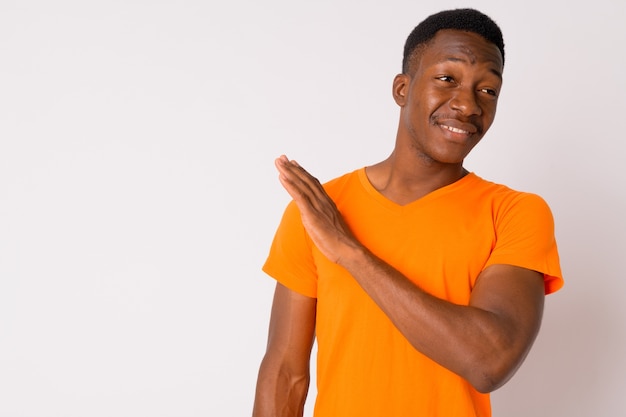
(405, 179)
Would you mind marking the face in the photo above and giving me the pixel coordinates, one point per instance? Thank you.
(448, 98)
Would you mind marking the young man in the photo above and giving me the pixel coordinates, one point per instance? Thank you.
(423, 283)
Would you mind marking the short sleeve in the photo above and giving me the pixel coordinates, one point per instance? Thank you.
(290, 260)
(525, 237)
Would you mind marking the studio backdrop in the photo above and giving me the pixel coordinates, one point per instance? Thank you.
(138, 196)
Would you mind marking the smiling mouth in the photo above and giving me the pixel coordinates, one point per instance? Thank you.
(455, 130)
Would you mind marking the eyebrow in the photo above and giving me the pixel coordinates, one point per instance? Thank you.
(471, 61)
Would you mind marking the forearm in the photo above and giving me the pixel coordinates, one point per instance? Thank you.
(279, 392)
(475, 343)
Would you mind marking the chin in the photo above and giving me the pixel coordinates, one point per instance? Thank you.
(455, 155)
(449, 157)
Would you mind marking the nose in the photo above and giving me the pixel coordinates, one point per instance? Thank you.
(464, 101)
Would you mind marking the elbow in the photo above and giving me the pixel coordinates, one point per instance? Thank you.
(491, 369)
(486, 383)
(493, 366)
(486, 380)
(493, 373)
(281, 389)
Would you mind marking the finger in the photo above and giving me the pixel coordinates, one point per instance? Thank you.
(291, 180)
(296, 174)
(303, 175)
(301, 184)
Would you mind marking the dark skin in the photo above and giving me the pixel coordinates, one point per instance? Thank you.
(447, 102)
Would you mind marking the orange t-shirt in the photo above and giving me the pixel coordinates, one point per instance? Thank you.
(365, 366)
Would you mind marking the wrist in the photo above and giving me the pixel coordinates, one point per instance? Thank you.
(354, 255)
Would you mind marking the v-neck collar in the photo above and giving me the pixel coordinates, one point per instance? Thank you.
(401, 209)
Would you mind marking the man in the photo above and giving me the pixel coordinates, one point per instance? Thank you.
(423, 283)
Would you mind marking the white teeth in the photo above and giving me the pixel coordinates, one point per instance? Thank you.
(454, 129)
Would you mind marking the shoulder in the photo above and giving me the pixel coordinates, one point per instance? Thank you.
(525, 233)
(341, 184)
(504, 198)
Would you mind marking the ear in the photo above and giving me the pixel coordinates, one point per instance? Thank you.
(400, 88)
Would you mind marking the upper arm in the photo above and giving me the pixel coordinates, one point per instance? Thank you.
(514, 298)
(284, 374)
(291, 330)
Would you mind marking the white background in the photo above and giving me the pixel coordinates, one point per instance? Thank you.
(138, 196)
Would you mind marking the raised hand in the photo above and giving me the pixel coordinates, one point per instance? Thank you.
(320, 216)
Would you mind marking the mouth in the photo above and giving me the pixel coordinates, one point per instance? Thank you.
(455, 129)
(459, 128)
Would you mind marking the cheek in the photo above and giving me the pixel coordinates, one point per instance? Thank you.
(428, 102)
(489, 113)
(436, 101)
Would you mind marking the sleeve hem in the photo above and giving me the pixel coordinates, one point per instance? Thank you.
(292, 283)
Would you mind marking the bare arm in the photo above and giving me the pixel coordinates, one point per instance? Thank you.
(283, 380)
(484, 342)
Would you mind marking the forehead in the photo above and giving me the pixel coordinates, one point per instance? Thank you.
(461, 46)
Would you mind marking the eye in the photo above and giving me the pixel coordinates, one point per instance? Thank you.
(445, 78)
(489, 91)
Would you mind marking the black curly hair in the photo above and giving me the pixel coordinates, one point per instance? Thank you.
(469, 20)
